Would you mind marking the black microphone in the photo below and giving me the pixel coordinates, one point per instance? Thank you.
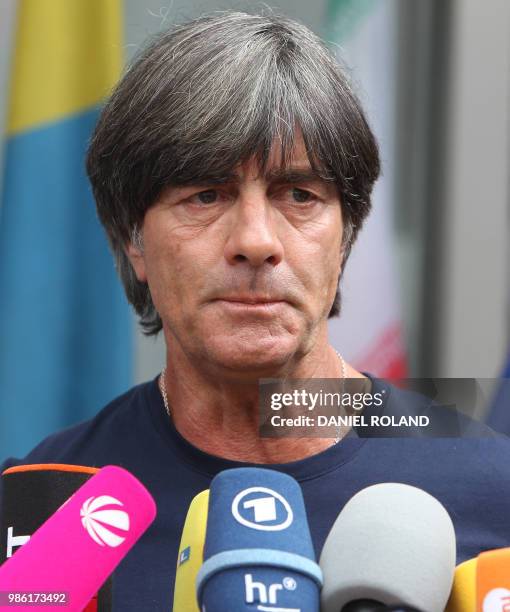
(363, 605)
(399, 609)
(370, 605)
(75, 551)
(33, 493)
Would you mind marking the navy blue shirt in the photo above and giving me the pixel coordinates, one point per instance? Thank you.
(469, 475)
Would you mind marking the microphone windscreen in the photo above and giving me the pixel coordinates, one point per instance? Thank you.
(32, 493)
(482, 584)
(493, 580)
(80, 545)
(191, 554)
(392, 543)
(258, 551)
(463, 593)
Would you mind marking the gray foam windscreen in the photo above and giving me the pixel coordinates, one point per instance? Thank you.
(392, 543)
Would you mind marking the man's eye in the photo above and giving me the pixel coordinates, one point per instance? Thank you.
(301, 195)
(205, 197)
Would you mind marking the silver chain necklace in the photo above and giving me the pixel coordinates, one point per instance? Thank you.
(162, 388)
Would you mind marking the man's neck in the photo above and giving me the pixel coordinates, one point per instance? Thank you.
(221, 417)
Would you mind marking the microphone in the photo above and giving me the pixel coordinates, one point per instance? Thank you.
(463, 594)
(258, 550)
(398, 609)
(493, 580)
(482, 584)
(32, 493)
(191, 554)
(363, 605)
(392, 543)
(80, 545)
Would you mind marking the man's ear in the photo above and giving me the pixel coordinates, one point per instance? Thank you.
(135, 256)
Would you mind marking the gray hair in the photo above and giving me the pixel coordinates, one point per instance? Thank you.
(210, 94)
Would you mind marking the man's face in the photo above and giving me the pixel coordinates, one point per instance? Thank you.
(244, 273)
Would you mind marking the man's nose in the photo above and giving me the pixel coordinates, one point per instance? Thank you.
(253, 237)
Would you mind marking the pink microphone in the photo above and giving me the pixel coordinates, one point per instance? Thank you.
(72, 554)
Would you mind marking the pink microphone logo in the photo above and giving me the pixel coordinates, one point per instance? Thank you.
(103, 522)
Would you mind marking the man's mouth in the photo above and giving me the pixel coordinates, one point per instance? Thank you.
(252, 299)
(250, 303)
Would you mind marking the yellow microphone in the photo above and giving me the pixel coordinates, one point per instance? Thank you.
(463, 593)
(191, 554)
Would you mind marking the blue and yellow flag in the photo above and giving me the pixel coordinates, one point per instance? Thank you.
(65, 327)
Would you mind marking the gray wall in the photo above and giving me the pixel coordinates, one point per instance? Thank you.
(473, 277)
(453, 200)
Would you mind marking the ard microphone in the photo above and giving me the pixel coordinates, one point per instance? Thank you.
(80, 545)
(258, 551)
(32, 493)
(393, 544)
(191, 554)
